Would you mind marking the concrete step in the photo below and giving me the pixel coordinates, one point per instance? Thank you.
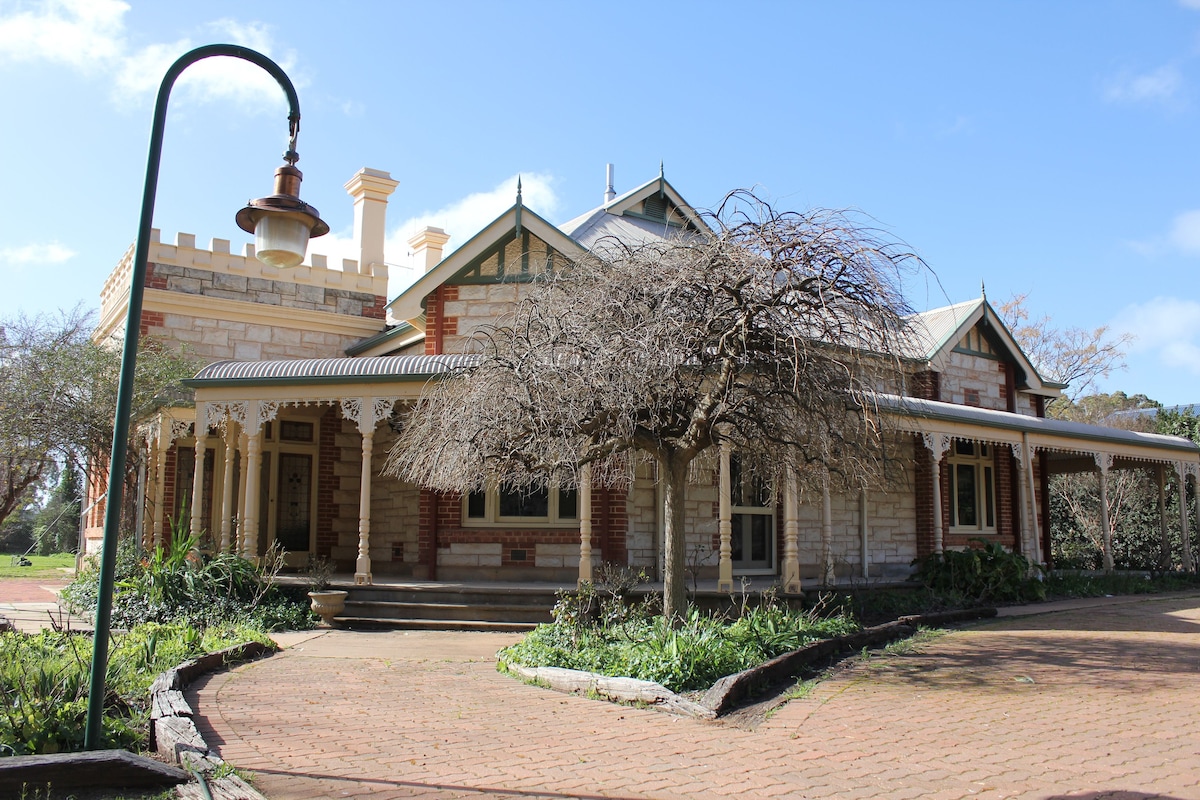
(474, 596)
(446, 611)
(354, 622)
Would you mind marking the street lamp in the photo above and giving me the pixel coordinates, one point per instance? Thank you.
(282, 225)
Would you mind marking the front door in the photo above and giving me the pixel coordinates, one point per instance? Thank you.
(752, 538)
(293, 509)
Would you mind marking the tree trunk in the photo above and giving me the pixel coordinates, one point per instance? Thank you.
(674, 477)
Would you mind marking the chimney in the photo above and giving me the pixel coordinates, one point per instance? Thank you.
(427, 247)
(370, 189)
(609, 193)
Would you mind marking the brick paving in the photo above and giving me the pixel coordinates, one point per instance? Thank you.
(1096, 703)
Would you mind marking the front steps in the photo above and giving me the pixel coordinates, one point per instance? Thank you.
(448, 606)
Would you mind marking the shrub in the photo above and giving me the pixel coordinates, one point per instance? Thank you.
(980, 574)
(643, 644)
(44, 681)
(1071, 584)
(181, 584)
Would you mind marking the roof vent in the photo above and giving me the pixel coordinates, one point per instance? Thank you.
(656, 207)
(610, 194)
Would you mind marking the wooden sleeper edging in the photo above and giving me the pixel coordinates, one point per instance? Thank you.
(173, 734)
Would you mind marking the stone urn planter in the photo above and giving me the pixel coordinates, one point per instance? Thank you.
(328, 603)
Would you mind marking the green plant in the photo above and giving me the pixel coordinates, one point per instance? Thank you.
(689, 655)
(181, 584)
(988, 573)
(44, 680)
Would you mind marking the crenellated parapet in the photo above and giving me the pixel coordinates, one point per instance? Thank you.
(218, 274)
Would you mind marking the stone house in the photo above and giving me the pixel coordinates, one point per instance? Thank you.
(289, 431)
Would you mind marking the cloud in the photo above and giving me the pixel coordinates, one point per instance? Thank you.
(89, 36)
(461, 219)
(1161, 86)
(1185, 232)
(85, 34)
(1183, 237)
(49, 253)
(1167, 328)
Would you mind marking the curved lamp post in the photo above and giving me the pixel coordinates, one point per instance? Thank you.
(281, 224)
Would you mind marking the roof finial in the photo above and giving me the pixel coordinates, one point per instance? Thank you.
(982, 289)
(662, 191)
(520, 203)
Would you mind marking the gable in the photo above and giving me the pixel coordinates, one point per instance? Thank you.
(980, 341)
(479, 260)
(974, 329)
(514, 257)
(652, 211)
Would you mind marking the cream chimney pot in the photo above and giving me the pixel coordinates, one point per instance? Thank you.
(370, 189)
(427, 247)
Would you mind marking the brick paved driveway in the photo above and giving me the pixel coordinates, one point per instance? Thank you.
(1097, 703)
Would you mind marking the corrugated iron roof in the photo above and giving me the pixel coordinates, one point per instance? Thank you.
(930, 329)
(629, 231)
(300, 370)
(951, 412)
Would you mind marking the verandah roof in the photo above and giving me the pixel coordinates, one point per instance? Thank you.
(1002, 427)
(327, 370)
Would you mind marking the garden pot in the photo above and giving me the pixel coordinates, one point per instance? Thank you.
(328, 603)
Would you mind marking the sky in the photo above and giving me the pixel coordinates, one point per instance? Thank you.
(1046, 149)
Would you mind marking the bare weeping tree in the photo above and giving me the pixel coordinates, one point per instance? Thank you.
(772, 334)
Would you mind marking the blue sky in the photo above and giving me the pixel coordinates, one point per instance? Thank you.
(1046, 148)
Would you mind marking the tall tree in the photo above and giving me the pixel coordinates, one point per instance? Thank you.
(770, 335)
(58, 393)
(1077, 357)
(57, 525)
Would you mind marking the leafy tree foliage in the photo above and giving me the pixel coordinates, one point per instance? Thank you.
(57, 395)
(771, 336)
(57, 526)
(1077, 357)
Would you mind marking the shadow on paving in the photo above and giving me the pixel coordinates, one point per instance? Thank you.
(1135, 614)
(1077, 652)
(492, 791)
(1113, 794)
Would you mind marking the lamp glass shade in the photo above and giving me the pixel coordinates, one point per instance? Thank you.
(280, 240)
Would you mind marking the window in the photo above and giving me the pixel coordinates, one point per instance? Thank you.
(530, 505)
(294, 431)
(972, 487)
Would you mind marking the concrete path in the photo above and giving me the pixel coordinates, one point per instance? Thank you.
(31, 604)
(1102, 701)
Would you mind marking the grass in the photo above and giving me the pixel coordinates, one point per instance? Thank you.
(43, 567)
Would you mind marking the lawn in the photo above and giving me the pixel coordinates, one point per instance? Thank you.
(43, 567)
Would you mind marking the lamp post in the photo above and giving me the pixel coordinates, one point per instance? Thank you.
(282, 225)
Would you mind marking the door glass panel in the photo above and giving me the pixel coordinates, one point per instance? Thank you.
(752, 540)
(295, 493)
(964, 488)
